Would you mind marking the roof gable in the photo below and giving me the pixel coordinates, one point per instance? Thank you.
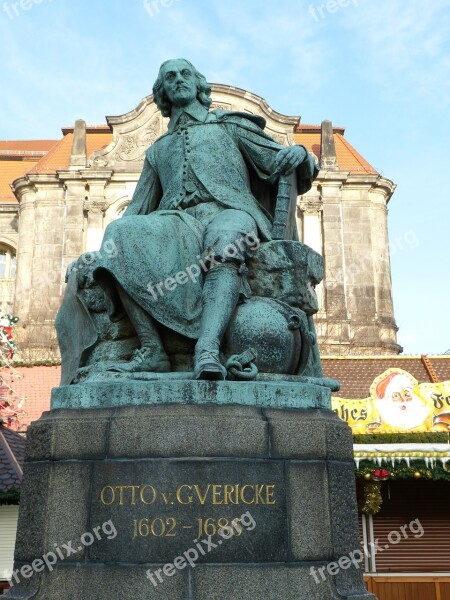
(12, 450)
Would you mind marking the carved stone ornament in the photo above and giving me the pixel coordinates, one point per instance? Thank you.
(99, 162)
(220, 106)
(311, 206)
(94, 205)
(133, 147)
(329, 162)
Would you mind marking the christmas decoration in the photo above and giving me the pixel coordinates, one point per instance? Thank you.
(396, 454)
(8, 347)
(370, 500)
(417, 469)
(11, 405)
(380, 475)
(431, 437)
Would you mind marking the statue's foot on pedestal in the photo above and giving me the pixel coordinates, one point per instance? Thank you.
(207, 365)
(144, 360)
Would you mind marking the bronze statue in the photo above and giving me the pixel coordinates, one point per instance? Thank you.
(203, 209)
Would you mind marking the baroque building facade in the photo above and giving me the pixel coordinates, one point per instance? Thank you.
(58, 196)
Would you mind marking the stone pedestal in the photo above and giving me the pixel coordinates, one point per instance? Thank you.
(138, 501)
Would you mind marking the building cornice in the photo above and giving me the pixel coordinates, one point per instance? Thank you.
(267, 110)
(357, 181)
(9, 207)
(216, 88)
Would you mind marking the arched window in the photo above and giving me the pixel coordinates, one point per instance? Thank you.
(7, 262)
(7, 276)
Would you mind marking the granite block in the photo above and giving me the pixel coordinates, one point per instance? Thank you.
(111, 582)
(297, 434)
(344, 522)
(21, 588)
(170, 430)
(308, 511)
(82, 438)
(260, 582)
(67, 434)
(39, 440)
(308, 435)
(339, 441)
(33, 514)
(164, 475)
(68, 507)
(343, 507)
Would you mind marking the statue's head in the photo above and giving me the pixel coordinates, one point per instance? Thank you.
(179, 83)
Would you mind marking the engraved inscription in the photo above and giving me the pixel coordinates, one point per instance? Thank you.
(203, 494)
(160, 507)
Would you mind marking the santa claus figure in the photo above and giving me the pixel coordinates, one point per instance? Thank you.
(397, 405)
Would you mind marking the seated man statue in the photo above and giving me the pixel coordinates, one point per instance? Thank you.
(205, 195)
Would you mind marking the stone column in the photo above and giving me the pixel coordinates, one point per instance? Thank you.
(311, 206)
(26, 194)
(47, 276)
(335, 327)
(38, 283)
(328, 157)
(387, 327)
(381, 267)
(360, 260)
(78, 155)
(95, 206)
(74, 218)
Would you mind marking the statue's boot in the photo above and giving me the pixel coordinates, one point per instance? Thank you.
(151, 356)
(220, 296)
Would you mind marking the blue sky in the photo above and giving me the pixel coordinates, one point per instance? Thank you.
(381, 68)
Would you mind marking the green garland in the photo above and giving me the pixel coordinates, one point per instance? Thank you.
(436, 437)
(9, 497)
(417, 470)
(369, 491)
(370, 499)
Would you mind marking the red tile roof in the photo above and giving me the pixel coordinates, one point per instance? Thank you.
(348, 158)
(26, 145)
(16, 158)
(20, 157)
(357, 373)
(441, 366)
(35, 385)
(59, 156)
(10, 170)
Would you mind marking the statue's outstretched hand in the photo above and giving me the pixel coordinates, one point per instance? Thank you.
(289, 158)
